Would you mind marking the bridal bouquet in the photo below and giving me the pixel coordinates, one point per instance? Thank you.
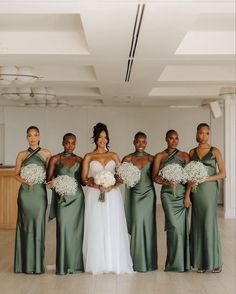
(105, 179)
(173, 172)
(33, 174)
(65, 186)
(195, 171)
(129, 173)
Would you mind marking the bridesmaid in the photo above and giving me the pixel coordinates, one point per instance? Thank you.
(69, 213)
(32, 205)
(176, 222)
(204, 235)
(140, 209)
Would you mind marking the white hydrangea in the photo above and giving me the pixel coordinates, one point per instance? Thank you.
(33, 174)
(195, 171)
(129, 173)
(65, 185)
(105, 179)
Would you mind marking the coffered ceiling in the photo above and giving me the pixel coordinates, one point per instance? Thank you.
(130, 53)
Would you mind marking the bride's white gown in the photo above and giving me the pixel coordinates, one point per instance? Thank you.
(106, 242)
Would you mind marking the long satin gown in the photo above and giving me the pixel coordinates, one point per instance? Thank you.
(204, 234)
(106, 242)
(176, 223)
(30, 228)
(140, 209)
(69, 215)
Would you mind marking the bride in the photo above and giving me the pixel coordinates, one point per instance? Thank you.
(106, 243)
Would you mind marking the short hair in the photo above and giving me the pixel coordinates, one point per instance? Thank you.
(32, 128)
(140, 134)
(170, 132)
(68, 135)
(201, 125)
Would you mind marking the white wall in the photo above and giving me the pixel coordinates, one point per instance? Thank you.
(122, 122)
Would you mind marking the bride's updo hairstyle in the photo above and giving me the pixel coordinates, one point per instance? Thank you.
(97, 129)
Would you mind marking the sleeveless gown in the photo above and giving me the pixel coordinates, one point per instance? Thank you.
(30, 227)
(106, 242)
(140, 209)
(70, 225)
(204, 234)
(176, 223)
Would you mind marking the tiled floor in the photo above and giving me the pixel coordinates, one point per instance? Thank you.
(145, 283)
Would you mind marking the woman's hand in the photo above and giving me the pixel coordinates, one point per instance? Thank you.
(119, 181)
(172, 184)
(187, 202)
(49, 184)
(108, 189)
(191, 184)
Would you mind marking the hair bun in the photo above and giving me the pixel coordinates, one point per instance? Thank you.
(97, 129)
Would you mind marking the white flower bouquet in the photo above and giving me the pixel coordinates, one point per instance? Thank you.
(129, 173)
(65, 186)
(173, 172)
(195, 171)
(105, 179)
(33, 174)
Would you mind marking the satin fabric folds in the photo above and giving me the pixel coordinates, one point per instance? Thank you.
(69, 215)
(140, 209)
(30, 228)
(176, 223)
(204, 235)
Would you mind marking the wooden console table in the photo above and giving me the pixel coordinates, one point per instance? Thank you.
(9, 187)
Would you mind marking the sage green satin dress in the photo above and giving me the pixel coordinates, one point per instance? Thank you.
(176, 224)
(70, 225)
(204, 233)
(140, 210)
(30, 227)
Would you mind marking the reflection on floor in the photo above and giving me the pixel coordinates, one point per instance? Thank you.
(145, 283)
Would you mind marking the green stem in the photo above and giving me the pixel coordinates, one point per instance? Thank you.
(101, 197)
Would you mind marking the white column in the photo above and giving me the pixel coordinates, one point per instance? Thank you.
(230, 155)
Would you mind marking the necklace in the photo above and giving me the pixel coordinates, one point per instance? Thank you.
(140, 153)
(67, 154)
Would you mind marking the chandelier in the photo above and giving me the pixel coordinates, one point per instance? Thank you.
(17, 74)
(26, 94)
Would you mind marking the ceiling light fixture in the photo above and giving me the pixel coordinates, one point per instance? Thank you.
(39, 94)
(17, 74)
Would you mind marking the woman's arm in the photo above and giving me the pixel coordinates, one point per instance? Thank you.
(156, 168)
(221, 174)
(51, 168)
(19, 160)
(86, 181)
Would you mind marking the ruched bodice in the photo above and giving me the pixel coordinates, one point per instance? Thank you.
(96, 166)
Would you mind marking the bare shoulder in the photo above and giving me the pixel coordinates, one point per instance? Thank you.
(160, 155)
(46, 152)
(184, 154)
(150, 158)
(55, 158)
(127, 158)
(22, 155)
(215, 151)
(88, 156)
(113, 154)
(79, 159)
(191, 152)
